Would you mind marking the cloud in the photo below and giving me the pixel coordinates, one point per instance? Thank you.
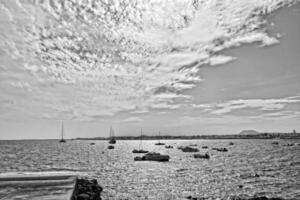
(22, 85)
(113, 57)
(262, 104)
(131, 120)
(217, 60)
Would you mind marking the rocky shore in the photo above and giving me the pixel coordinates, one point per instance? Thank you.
(243, 197)
(87, 189)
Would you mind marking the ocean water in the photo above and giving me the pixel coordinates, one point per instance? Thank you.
(277, 167)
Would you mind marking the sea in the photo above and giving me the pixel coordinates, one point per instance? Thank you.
(250, 167)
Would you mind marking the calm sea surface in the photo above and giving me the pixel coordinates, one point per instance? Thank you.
(277, 167)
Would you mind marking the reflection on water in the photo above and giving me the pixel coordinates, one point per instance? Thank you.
(249, 167)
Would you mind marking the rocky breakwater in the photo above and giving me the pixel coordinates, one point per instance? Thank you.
(188, 149)
(152, 156)
(220, 149)
(241, 198)
(202, 156)
(87, 189)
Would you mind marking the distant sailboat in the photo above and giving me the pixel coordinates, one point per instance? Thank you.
(159, 143)
(62, 140)
(140, 150)
(112, 139)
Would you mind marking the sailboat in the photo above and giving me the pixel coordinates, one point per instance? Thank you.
(62, 140)
(112, 139)
(140, 150)
(159, 143)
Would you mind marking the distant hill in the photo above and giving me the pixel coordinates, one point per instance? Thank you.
(249, 132)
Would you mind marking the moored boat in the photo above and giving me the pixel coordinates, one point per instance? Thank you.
(140, 150)
(62, 140)
(112, 139)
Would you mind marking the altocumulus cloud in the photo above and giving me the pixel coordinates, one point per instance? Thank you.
(97, 58)
(261, 104)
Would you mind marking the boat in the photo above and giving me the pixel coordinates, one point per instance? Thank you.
(112, 139)
(140, 150)
(62, 140)
(159, 143)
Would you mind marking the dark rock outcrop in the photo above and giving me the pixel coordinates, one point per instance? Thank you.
(288, 145)
(255, 198)
(152, 156)
(87, 189)
(202, 156)
(188, 149)
(204, 147)
(220, 149)
(169, 147)
(110, 147)
(139, 151)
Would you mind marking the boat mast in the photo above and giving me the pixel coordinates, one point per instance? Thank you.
(62, 130)
(158, 136)
(141, 139)
(111, 132)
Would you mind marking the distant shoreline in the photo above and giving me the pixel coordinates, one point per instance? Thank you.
(185, 137)
(204, 137)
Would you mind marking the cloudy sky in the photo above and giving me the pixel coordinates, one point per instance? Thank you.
(178, 66)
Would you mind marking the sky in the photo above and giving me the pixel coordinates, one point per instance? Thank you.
(178, 67)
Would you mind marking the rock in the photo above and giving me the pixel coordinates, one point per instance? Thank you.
(138, 158)
(231, 143)
(288, 145)
(189, 149)
(193, 145)
(195, 198)
(87, 189)
(204, 147)
(180, 170)
(92, 143)
(110, 147)
(152, 156)
(203, 156)
(83, 197)
(244, 197)
(275, 143)
(169, 147)
(139, 151)
(159, 143)
(220, 149)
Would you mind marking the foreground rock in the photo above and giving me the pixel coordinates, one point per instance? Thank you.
(239, 198)
(86, 189)
(220, 149)
(288, 145)
(139, 151)
(169, 147)
(188, 149)
(202, 156)
(255, 198)
(204, 147)
(110, 147)
(152, 156)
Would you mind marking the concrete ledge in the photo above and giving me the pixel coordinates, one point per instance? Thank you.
(37, 185)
